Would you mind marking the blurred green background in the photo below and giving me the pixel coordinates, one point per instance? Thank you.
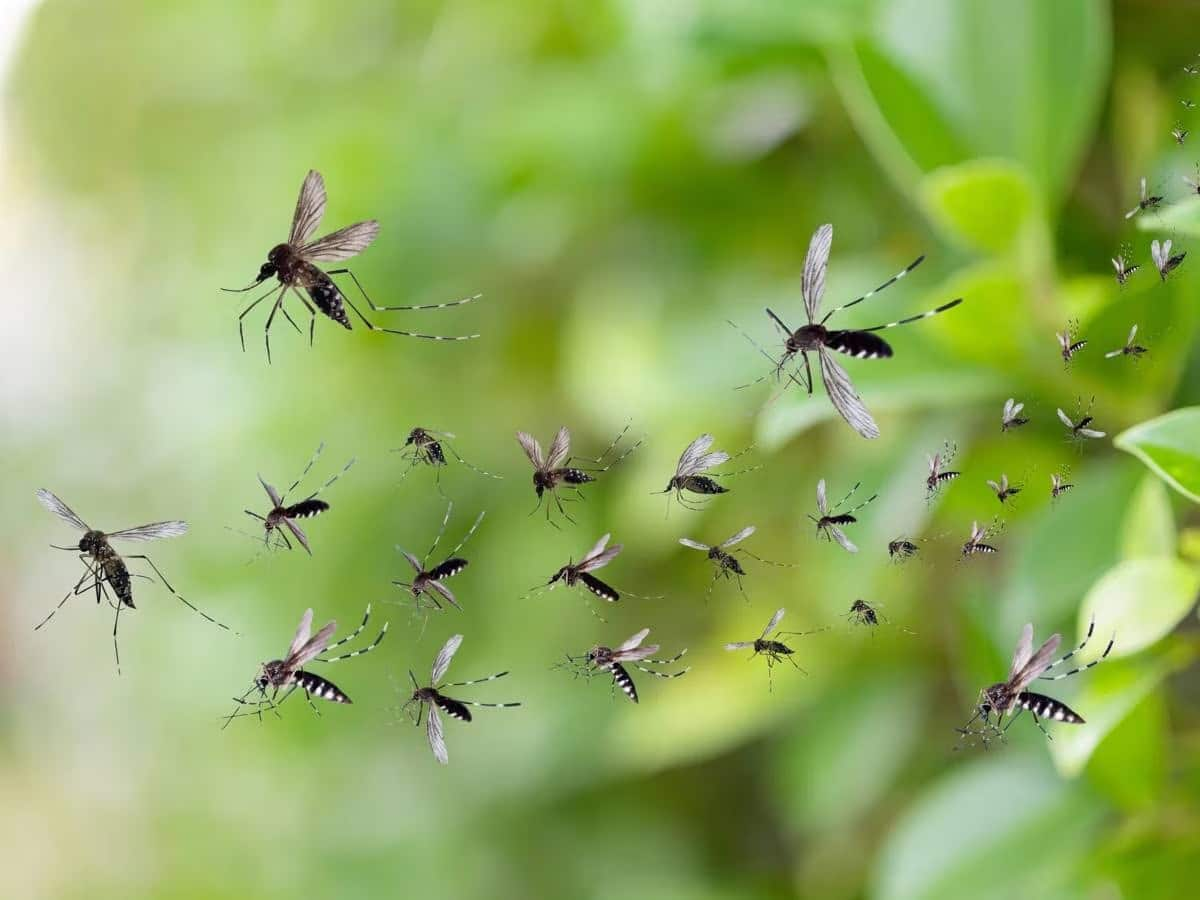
(618, 178)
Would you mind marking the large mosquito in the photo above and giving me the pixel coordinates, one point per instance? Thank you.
(287, 675)
(695, 460)
(939, 474)
(1003, 490)
(430, 699)
(426, 447)
(552, 469)
(1122, 268)
(104, 566)
(725, 562)
(285, 515)
(293, 263)
(1011, 416)
(829, 521)
(1131, 348)
(814, 337)
(1163, 260)
(606, 659)
(979, 540)
(1069, 342)
(431, 582)
(1081, 430)
(1145, 202)
(1010, 697)
(769, 646)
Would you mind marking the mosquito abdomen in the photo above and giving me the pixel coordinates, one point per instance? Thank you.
(316, 686)
(859, 344)
(1048, 708)
(305, 509)
(326, 295)
(453, 708)
(116, 573)
(701, 484)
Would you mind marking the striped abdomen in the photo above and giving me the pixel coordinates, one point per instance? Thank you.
(599, 588)
(452, 708)
(448, 569)
(573, 476)
(325, 294)
(623, 681)
(316, 686)
(843, 519)
(939, 478)
(305, 509)
(116, 573)
(859, 344)
(1044, 707)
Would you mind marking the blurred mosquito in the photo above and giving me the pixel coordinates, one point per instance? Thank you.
(695, 460)
(769, 646)
(1069, 342)
(284, 515)
(1003, 490)
(1081, 430)
(552, 469)
(1191, 69)
(1130, 348)
(902, 549)
(1179, 133)
(1011, 416)
(424, 447)
(1188, 104)
(1193, 183)
(1010, 697)
(105, 568)
(1163, 260)
(830, 521)
(430, 583)
(978, 541)
(293, 263)
(1122, 268)
(814, 337)
(938, 473)
(1058, 484)
(430, 699)
(865, 615)
(726, 564)
(287, 675)
(1147, 201)
(606, 659)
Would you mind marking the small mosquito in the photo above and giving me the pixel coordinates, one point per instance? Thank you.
(768, 645)
(1010, 697)
(726, 563)
(105, 566)
(1059, 484)
(552, 469)
(287, 675)
(1069, 342)
(1193, 183)
(284, 515)
(1003, 490)
(938, 473)
(574, 573)
(432, 699)
(1163, 260)
(902, 549)
(431, 582)
(1188, 104)
(1150, 201)
(870, 616)
(830, 521)
(1130, 348)
(424, 446)
(814, 337)
(1179, 133)
(293, 263)
(606, 659)
(1122, 268)
(978, 541)
(696, 459)
(1011, 417)
(1191, 69)
(1080, 430)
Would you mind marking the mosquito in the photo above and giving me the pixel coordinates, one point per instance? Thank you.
(293, 263)
(1059, 484)
(1188, 104)
(284, 515)
(1163, 260)
(1010, 697)
(1011, 417)
(1122, 268)
(726, 563)
(1130, 348)
(430, 699)
(902, 549)
(1080, 430)
(1179, 133)
(870, 616)
(696, 459)
(1191, 69)
(1069, 342)
(574, 573)
(1145, 202)
(938, 473)
(1003, 490)
(286, 674)
(431, 582)
(606, 659)
(814, 337)
(1193, 183)
(978, 541)
(425, 446)
(830, 521)
(552, 469)
(769, 646)
(104, 566)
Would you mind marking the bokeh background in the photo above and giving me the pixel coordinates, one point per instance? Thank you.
(618, 178)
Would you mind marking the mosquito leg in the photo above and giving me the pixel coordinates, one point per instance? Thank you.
(74, 592)
(441, 531)
(355, 653)
(371, 303)
(179, 596)
(470, 465)
(308, 468)
(241, 333)
(275, 307)
(808, 377)
(116, 648)
(352, 635)
(413, 334)
(312, 314)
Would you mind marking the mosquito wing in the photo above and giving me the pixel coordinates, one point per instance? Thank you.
(1037, 664)
(1009, 408)
(60, 509)
(310, 207)
(152, 532)
(710, 461)
(413, 561)
(313, 647)
(532, 449)
(276, 500)
(695, 545)
(302, 633)
(559, 449)
(343, 243)
(433, 731)
(740, 645)
(691, 454)
(1160, 253)
(442, 663)
(1091, 433)
(840, 536)
(1024, 651)
(1132, 335)
(634, 641)
(298, 534)
(994, 486)
(774, 623)
(822, 500)
(843, 397)
(1065, 419)
(445, 592)
(634, 654)
(737, 538)
(812, 284)
(597, 548)
(599, 560)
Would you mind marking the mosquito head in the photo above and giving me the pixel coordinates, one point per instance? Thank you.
(92, 542)
(563, 575)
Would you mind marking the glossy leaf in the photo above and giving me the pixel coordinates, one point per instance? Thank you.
(1170, 446)
(1140, 601)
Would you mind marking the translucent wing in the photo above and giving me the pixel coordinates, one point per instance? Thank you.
(433, 731)
(298, 534)
(442, 663)
(1064, 339)
(1158, 254)
(740, 645)
(636, 653)
(812, 284)
(302, 633)
(1091, 433)
(976, 534)
(597, 548)
(634, 641)
(1038, 664)
(152, 532)
(276, 500)
(413, 561)
(687, 459)
(60, 509)
(1143, 191)
(600, 559)
(313, 646)
(740, 536)
(995, 487)
(310, 207)
(1132, 335)
(840, 536)
(695, 545)
(1016, 410)
(1009, 410)
(709, 461)
(532, 449)
(559, 449)
(1023, 652)
(822, 500)
(445, 592)
(774, 623)
(843, 397)
(1065, 419)
(343, 243)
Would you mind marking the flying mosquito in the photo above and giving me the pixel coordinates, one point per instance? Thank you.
(1059, 484)
(284, 515)
(1069, 342)
(1003, 490)
(606, 659)
(830, 521)
(1130, 348)
(978, 541)
(866, 615)
(1080, 430)
(938, 473)
(1188, 104)
(430, 699)
(1163, 260)
(577, 573)
(1146, 202)
(1193, 183)
(1011, 417)
(552, 469)
(287, 675)
(1122, 268)
(425, 446)
(1179, 133)
(1191, 69)
(814, 337)
(104, 566)
(696, 459)
(431, 582)
(293, 263)
(726, 564)
(768, 645)
(1010, 697)
(902, 549)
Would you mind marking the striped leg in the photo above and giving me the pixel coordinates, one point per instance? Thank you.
(916, 318)
(599, 460)
(470, 532)
(1095, 662)
(413, 334)
(658, 674)
(441, 531)
(355, 633)
(179, 596)
(473, 681)
(887, 284)
(488, 705)
(476, 468)
(355, 653)
(666, 662)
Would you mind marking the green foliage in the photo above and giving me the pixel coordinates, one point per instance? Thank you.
(1170, 447)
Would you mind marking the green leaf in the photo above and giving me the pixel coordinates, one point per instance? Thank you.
(1140, 601)
(982, 203)
(1181, 217)
(1170, 446)
(1130, 765)
(1149, 526)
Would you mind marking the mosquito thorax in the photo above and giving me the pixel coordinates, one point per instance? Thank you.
(777, 647)
(599, 656)
(806, 337)
(92, 542)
